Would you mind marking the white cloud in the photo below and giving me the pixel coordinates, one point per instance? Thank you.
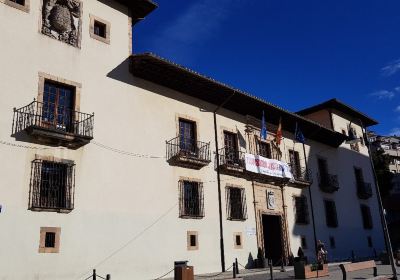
(197, 25)
(391, 68)
(397, 109)
(395, 131)
(383, 94)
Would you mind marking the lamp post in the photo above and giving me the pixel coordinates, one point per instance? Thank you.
(352, 140)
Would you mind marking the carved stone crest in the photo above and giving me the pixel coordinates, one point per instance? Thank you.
(62, 20)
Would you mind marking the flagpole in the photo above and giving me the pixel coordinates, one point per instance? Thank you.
(311, 204)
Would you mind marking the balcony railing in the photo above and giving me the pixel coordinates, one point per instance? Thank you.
(230, 159)
(188, 152)
(59, 125)
(364, 190)
(301, 174)
(328, 183)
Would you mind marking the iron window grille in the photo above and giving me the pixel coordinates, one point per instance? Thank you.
(236, 204)
(52, 185)
(331, 214)
(191, 200)
(301, 210)
(366, 217)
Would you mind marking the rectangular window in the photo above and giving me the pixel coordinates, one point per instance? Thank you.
(231, 148)
(330, 214)
(237, 238)
(236, 204)
(264, 149)
(57, 110)
(370, 244)
(52, 185)
(192, 240)
(100, 29)
(301, 210)
(191, 199)
(187, 136)
(49, 240)
(294, 158)
(303, 242)
(366, 217)
(359, 175)
(323, 168)
(19, 2)
(332, 242)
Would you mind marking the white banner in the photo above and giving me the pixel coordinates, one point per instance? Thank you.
(266, 166)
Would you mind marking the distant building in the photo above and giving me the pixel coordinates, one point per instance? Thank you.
(391, 146)
(128, 162)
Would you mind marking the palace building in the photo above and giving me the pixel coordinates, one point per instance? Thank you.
(128, 162)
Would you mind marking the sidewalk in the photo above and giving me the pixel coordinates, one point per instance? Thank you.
(384, 272)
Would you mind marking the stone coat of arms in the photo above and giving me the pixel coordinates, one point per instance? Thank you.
(62, 20)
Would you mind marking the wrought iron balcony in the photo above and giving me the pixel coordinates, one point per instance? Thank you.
(301, 175)
(53, 125)
(188, 152)
(364, 190)
(231, 161)
(328, 183)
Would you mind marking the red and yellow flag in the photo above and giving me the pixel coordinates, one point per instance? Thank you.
(278, 138)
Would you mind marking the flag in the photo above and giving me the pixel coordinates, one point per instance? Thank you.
(263, 132)
(279, 132)
(298, 135)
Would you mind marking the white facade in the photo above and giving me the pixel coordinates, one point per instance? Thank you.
(125, 219)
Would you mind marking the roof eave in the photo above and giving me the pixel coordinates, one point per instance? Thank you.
(160, 71)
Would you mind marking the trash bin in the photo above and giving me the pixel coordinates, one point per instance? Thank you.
(183, 271)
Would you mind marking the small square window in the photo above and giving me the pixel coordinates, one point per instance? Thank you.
(19, 2)
(49, 240)
(192, 240)
(238, 240)
(100, 29)
(22, 5)
(332, 242)
(303, 242)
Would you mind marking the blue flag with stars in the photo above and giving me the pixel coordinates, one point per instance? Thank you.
(263, 133)
(298, 135)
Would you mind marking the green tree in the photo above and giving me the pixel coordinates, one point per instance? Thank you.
(384, 176)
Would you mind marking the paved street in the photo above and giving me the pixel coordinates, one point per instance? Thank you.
(334, 274)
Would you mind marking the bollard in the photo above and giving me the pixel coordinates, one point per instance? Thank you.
(234, 270)
(237, 266)
(94, 274)
(108, 277)
(282, 266)
(271, 272)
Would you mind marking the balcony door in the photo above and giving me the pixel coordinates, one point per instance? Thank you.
(323, 169)
(57, 107)
(231, 147)
(295, 163)
(187, 136)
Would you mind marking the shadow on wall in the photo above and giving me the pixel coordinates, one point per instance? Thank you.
(349, 240)
(121, 73)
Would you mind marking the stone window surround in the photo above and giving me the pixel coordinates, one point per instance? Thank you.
(43, 231)
(236, 131)
(24, 8)
(235, 245)
(78, 87)
(189, 247)
(187, 118)
(94, 18)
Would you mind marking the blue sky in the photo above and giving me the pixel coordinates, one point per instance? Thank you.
(291, 53)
